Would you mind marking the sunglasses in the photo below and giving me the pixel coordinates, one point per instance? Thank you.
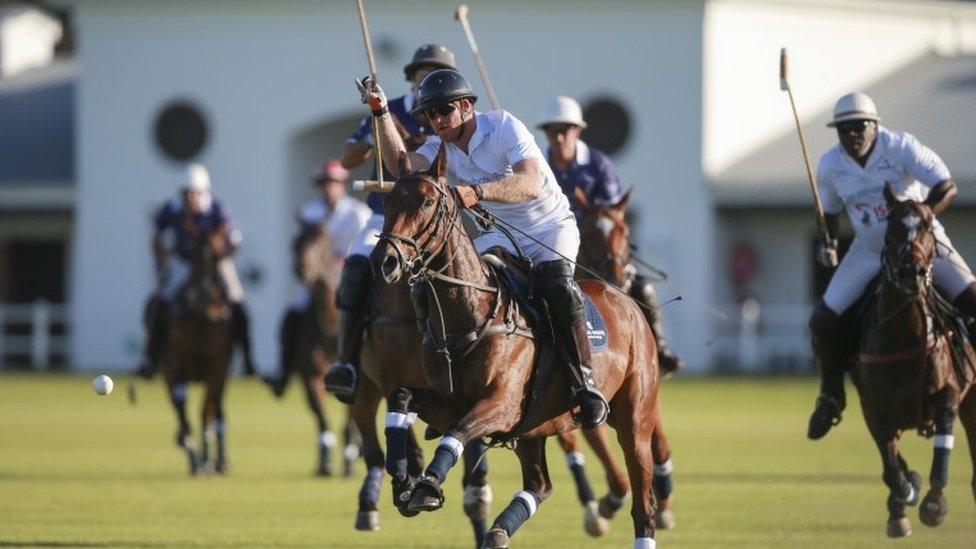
(853, 126)
(553, 130)
(439, 110)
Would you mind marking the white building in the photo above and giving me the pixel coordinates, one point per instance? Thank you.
(695, 84)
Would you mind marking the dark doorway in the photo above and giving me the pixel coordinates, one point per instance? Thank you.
(36, 270)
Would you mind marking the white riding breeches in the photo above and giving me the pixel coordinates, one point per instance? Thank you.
(950, 273)
(367, 237)
(178, 273)
(563, 237)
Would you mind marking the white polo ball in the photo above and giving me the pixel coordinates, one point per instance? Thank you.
(102, 384)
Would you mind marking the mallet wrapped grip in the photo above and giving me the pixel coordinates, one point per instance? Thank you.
(784, 65)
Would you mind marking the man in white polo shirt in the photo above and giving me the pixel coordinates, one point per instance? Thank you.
(492, 159)
(852, 175)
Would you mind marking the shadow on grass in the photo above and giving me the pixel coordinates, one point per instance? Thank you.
(53, 543)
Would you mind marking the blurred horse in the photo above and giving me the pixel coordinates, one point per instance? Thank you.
(605, 249)
(316, 339)
(914, 366)
(199, 350)
(480, 360)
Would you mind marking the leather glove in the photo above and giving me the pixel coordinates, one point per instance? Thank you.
(827, 252)
(371, 94)
(466, 195)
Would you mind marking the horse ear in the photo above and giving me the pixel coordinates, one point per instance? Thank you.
(439, 166)
(580, 197)
(622, 203)
(890, 197)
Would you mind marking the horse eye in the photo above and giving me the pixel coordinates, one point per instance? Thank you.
(428, 202)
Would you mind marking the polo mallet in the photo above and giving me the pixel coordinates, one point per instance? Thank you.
(784, 84)
(372, 73)
(461, 14)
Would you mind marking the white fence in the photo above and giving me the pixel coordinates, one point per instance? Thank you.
(757, 338)
(36, 333)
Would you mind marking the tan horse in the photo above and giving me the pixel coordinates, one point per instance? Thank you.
(199, 350)
(909, 371)
(493, 374)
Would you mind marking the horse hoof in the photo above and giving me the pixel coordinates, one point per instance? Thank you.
(426, 496)
(402, 490)
(593, 523)
(609, 505)
(496, 538)
(664, 519)
(477, 502)
(368, 521)
(221, 467)
(934, 509)
(899, 527)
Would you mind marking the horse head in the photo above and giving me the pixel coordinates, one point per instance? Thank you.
(420, 215)
(313, 256)
(605, 238)
(204, 289)
(909, 247)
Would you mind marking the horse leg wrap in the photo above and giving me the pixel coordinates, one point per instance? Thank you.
(575, 461)
(397, 426)
(523, 506)
(644, 543)
(662, 479)
(445, 457)
(177, 393)
(369, 494)
(941, 448)
(475, 463)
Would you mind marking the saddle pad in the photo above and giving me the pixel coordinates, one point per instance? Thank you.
(596, 327)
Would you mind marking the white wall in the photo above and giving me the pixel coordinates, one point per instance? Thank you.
(266, 71)
(834, 47)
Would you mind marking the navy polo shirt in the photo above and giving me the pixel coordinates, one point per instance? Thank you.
(592, 172)
(400, 108)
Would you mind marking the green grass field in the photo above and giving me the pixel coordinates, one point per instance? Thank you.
(81, 470)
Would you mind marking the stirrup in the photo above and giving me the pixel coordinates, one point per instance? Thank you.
(345, 393)
(590, 393)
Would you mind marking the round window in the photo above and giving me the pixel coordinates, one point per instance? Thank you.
(181, 131)
(607, 124)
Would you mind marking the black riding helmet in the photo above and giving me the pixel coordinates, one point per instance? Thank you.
(429, 55)
(440, 88)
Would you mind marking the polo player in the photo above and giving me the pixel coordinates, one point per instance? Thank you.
(342, 217)
(577, 165)
(852, 175)
(183, 219)
(352, 298)
(493, 160)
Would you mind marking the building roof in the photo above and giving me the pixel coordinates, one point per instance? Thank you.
(933, 97)
(38, 121)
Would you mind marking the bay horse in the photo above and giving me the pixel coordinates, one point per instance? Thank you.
(605, 249)
(316, 340)
(390, 360)
(476, 324)
(914, 366)
(199, 349)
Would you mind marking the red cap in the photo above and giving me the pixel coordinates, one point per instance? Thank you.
(332, 170)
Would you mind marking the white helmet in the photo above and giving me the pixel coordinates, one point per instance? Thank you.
(854, 106)
(562, 110)
(197, 178)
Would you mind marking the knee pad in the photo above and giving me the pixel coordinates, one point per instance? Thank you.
(357, 277)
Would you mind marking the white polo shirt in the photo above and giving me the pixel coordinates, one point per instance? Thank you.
(342, 222)
(899, 160)
(499, 141)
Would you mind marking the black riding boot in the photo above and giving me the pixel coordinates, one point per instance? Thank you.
(966, 303)
(831, 402)
(565, 301)
(241, 326)
(352, 300)
(643, 291)
(288, 342)
(156, 322)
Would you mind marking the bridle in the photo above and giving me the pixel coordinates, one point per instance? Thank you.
(893, 263)
(611, 259)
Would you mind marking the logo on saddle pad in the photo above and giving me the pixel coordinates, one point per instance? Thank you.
(596, 328)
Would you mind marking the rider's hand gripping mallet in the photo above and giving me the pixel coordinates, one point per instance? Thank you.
(372, 73)
(461, 14)
(784, 84)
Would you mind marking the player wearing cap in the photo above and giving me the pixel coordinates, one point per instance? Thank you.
(852, 176)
